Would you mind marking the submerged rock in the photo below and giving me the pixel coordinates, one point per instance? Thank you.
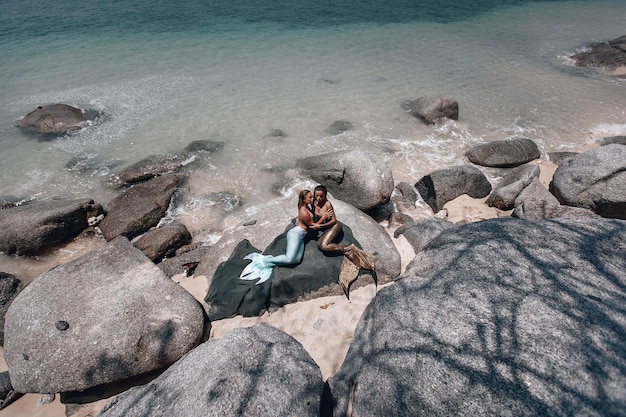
(609, 54)
(338, 127)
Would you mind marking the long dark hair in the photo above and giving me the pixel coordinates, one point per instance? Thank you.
(301, 197)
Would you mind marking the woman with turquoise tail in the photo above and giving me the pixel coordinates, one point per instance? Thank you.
(262, 265)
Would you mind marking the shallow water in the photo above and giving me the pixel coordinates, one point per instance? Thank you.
(165, 75)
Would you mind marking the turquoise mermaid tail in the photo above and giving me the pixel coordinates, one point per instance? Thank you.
(258, 268)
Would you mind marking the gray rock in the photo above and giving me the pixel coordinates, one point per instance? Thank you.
(125, 318)
(140, 207)
(338, 127)
(31, 228)
(7, 393)
(443, 185)
(153, 166)
(595, 179)
(609, 54)
(205, 146)
(53, 118)
(557, 158)
(10, 286)
(431, 109)
(620, 140)
(504, 195)
(535, 202)
(163, 241)
(181, 261)
(501, 317)
(504, 153)
(421, 232)
(409, 193)
(356, 177)
(256, 371)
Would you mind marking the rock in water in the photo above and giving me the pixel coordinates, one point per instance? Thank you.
(53, 118)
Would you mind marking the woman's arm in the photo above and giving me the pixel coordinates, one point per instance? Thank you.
(304, 216)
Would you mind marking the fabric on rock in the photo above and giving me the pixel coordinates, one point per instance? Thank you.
(229, 295)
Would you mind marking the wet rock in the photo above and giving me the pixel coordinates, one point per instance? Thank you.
(443, 185)
(125, 318)
(609, 54)
(140, 207)
(163, 241)
(432, 109)
(504, 195)
(504, 153)
(153, 166)
(256, 371)
(595, 179)
(499, 317)
(30, 229)
(338, 127)
(355, 177)
(53, 118)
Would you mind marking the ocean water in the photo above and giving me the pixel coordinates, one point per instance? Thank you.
(163, 74)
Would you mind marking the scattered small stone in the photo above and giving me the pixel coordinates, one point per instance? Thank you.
(46, 399)
(62, 325)
(250, 223)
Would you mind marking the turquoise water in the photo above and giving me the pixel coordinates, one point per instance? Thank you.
(166, 74)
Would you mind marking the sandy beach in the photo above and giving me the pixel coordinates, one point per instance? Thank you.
(324, 326)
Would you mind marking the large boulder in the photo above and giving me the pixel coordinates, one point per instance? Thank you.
(10, 286)
(535, 202)
(53, 119)
(140, 207)
(595, 179)
(163, 241)
(356, 177)
(104, 317)
(256, 371)
(431, 109)
(31, 228)
(443, 185)
(502, 317)
(504, 153)
(504, 195)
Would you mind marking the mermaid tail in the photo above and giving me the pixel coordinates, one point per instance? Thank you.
(258, 268)
(354, 260)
